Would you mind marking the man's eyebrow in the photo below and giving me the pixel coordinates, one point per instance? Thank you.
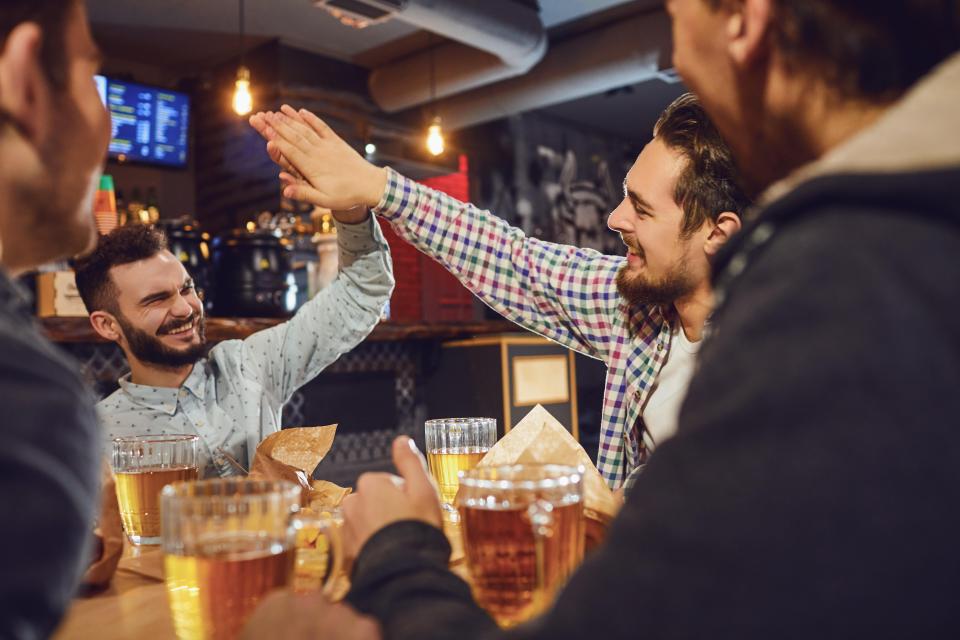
(637, 200)
(158, 295)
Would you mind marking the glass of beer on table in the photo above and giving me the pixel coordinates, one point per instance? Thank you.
(227, 543)
(143, 465)
(455, 445)
(523, 534)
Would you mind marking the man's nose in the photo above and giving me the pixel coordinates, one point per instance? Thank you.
(181, 308)
(619, 220)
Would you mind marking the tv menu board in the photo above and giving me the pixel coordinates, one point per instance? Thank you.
(150, 124)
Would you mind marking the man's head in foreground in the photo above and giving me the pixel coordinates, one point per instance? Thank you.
(141, 297)
(54, 131)
(682, 200)
(787, 80)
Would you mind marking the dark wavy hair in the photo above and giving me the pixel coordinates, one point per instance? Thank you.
(709, 183)
(866, 49)
(123, 245)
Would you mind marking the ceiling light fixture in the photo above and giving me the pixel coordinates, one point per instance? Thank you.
(242, 99)
(435, 141)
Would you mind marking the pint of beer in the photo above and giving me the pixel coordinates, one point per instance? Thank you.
(455, 445)
(143, 465)
(523, 535)
(226, 544)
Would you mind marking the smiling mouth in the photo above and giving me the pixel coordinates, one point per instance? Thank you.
(180, 329)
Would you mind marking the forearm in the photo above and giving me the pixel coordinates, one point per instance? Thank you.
(555, 290)
(338, 318)
(402, 579)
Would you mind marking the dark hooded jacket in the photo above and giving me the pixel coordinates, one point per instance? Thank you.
(813, 488)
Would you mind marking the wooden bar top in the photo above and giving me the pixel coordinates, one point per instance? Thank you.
(135, 604)
(78, 329)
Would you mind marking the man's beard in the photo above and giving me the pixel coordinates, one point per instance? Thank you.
(638, 289)
(150, 350)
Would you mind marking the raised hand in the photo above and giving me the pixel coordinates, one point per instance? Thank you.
(318, 166)
(382, 498)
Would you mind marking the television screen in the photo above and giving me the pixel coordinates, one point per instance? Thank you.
(150, 124)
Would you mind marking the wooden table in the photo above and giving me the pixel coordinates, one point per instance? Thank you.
(135, 605)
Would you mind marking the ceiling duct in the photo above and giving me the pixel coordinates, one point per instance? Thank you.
(626, 52)
(360, 14)
(495, 40)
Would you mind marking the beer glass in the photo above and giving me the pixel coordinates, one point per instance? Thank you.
(317, 565)
(226, 544)
(455, 445)
(523, 534)
(142, 466)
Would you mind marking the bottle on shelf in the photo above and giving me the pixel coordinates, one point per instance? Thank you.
(105, 206)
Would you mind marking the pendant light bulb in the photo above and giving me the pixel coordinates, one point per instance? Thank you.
(242, 100)
(435, 142)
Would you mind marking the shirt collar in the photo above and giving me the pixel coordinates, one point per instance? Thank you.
(165, 399)
(195, 382)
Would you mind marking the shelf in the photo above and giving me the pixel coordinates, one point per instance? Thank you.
(79, 329)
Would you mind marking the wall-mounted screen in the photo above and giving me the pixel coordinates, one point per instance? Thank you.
(150, 124)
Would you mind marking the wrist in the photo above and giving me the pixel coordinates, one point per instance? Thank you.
(378, 185)
(354, 215)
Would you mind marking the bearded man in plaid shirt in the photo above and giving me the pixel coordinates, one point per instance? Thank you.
(642, 315)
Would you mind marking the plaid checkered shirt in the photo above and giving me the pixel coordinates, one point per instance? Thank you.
(561, 292)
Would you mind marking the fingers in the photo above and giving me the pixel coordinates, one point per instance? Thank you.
(274, 152)
(298, 124)
(412, 466)
(258, 122)
(303, 192)
(289, 131)
(292, 154)
(322, 128)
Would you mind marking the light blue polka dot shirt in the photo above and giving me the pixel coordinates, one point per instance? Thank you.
(234, 398)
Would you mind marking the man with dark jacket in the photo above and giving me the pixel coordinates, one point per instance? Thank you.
(812, 488)
(53, 140)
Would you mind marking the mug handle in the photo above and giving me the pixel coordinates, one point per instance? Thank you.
(327, 524)
(541, 518)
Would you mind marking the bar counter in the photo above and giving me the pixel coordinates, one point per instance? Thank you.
(135, 604)
(78, 330)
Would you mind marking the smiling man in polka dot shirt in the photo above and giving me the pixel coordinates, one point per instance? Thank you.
(231, 395)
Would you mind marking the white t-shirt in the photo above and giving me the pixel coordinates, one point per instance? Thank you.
(670, 388)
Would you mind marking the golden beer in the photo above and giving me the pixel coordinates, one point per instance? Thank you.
(138, 493)
(455, 445)
(142, 466)
(227, 542)
(446, 464)
(318, 561)
(501, 551)
(212, 595)
(523, 534)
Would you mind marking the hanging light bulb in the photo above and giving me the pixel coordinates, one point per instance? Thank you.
(242, 100)
(435, 141)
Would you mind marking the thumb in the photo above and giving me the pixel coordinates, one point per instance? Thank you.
(303, 192)
(412, 466)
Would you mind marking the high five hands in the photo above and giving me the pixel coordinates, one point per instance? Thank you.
(319, 167)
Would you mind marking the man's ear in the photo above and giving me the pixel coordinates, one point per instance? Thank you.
(748, 31)
(106, 325)
(25, 92)
(728, 223)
